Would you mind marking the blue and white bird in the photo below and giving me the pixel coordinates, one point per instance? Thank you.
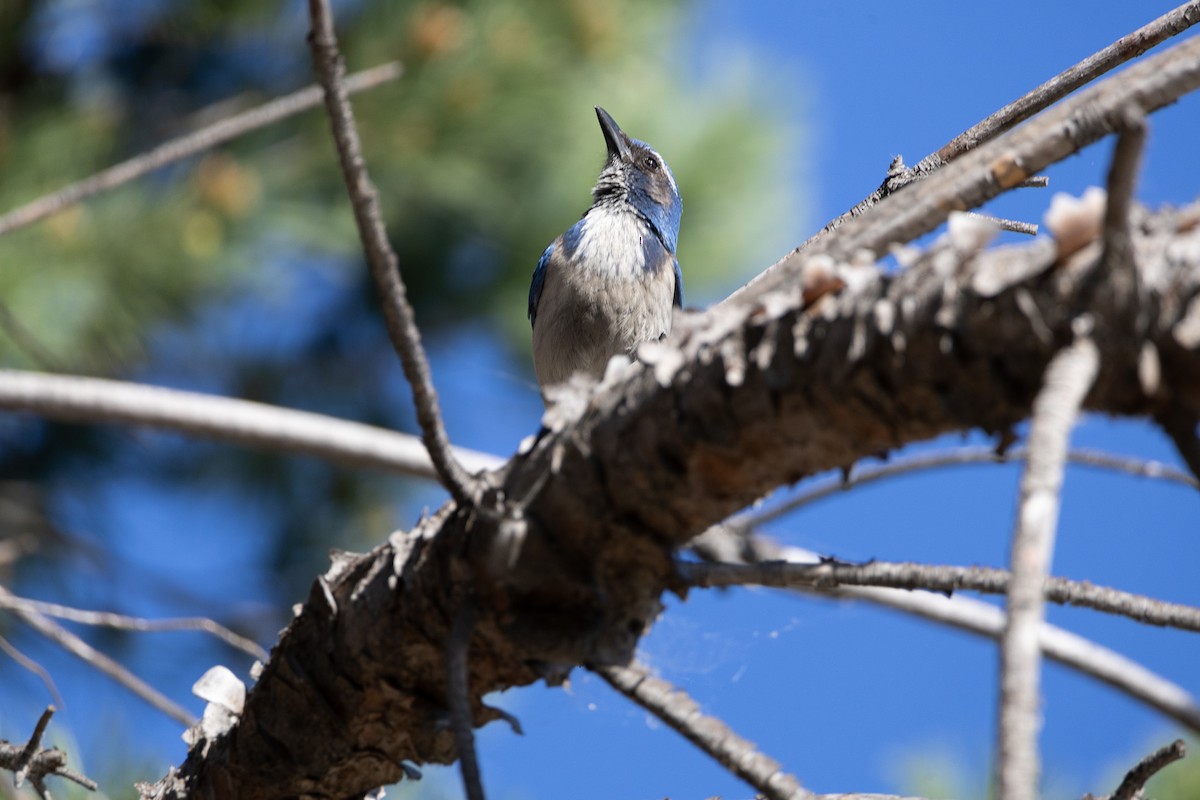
(609, 283)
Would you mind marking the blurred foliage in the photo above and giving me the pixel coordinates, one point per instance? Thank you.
(239, 271)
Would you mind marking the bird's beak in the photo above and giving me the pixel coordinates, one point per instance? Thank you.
(614, 137)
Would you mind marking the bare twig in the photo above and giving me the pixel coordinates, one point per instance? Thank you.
(1122, 175)
(189, 145)
(963, 457)
(458, 691)
(674, 707)
(120, 621)
(30, 762)
(34, 667)
(1127, 47)
(385, 267)
(33, 745)
(1067, 381)
(252, 424)
(725, 543)
(831, 574)
(77, 647)
(1136, 779)
(1014, 225)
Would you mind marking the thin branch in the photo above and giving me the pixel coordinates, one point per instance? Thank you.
(458, 691)
(944, 579)
(966, 456)
(1122, 175)
(385, 267)
(725, 543)
(1014, 225)
(30, 761)
(1001, 164)
(34, 667)
(189, 145)
(33, 745)
(77, 399)
(1067, 381)
(674, 707)
(77, 647)
(1127, 47)
(1136, 779)
(122, 622)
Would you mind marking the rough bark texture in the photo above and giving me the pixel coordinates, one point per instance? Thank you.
(568, 560)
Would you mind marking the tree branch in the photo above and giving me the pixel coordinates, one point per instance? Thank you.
(90, 655)
(740, 399)
(966, 456)
(385, 267)
(1136, 779)
(1039, 99)
(831, 574)
(122, 622)
(1068, 379)
(674, 707)
(76, 399)
(30, 761)
(1004, 163)
(1122, 177)
(189, 145)
(458, 692)
(32, 666)
(723, 543)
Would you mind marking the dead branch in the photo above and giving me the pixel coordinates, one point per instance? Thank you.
(189, 145)
(1004, 163)
(742, 398)
(674, 707)
(1068, 379)
(723, 543)
(33, 763)
(385, 266)
(966, 456)
(108, 619)
(34, 667)
(1135, 780)
(94, 658)
(77, 399)
(832, 574)
(1065, 83)
(458, 691)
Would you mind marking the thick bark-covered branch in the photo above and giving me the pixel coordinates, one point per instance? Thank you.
(575, 548)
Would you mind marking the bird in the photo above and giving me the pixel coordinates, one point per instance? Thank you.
(610, 282)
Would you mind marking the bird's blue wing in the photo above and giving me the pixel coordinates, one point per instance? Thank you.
(539, 280)
(678, 284)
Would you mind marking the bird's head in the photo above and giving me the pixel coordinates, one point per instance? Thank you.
(637, 175)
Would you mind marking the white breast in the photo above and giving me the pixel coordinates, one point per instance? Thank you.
(612, 243)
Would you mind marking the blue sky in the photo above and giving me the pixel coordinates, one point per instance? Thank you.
(848, 697)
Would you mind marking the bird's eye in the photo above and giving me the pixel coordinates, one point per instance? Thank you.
(650, 163)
